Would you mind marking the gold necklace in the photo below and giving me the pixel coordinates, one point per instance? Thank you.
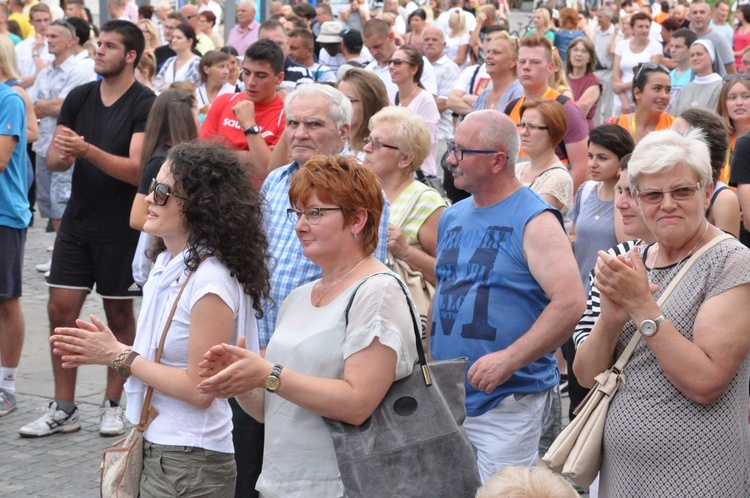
(317, 303)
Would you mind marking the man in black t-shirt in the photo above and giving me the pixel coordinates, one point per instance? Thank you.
(100, 128)
(739, 176)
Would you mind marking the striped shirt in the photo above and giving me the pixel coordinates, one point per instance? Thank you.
(593, 304)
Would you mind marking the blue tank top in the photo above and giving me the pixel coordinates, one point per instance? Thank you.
(486, 296)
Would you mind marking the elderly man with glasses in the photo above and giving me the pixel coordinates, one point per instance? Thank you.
(507, 295)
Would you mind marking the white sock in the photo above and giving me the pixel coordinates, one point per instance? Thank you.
(8, 379)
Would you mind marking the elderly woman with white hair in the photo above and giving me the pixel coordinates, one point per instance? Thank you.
(678, 426)
(704, 89)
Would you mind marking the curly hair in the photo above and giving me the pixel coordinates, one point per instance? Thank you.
(223, 215)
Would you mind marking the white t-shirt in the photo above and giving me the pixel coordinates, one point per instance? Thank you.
(453, 44)
(424, 105)
(179, 423)
(629, 60)
(298, 456)
(482, 80)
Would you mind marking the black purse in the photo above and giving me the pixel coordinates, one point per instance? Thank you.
(413, 445)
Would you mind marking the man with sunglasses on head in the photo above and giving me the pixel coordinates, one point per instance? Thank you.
(379, 40)
(51, 86)
(100, 128)
(508, 293)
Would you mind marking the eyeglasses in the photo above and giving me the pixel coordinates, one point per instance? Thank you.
(398, 62)
(678, 194)
(161, 193)
(377, 143)
(312, 214)
(530, 127)
(459, 152)
(650, 66)
(66, 25)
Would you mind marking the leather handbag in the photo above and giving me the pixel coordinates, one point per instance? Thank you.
(420, 290)
(577, 452)
(122, 463)
(413, 444)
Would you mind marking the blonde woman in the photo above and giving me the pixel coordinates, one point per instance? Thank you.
(457, 42)
(151, 34)
(542, 25)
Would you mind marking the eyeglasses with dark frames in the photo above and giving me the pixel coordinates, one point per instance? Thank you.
(458, 152)
(377, 143)
(311, 214)
(677, 194)
(161, 193)
(530, 127)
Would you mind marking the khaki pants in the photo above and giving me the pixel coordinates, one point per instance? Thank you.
(184, 471)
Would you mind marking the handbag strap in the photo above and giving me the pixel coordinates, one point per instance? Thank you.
(628, 351)
(417, 329)
(145, 413)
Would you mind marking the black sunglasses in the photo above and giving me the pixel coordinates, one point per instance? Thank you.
(161, 193)
(66, 25)
(398, 62)
(737, 76)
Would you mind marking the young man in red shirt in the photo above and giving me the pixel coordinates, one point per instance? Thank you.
(252, 121)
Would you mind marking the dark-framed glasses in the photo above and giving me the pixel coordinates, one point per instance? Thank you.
(458, 152)
(677, 194)
(530, 127)
(311, 214)
(161, 192)
(377, 143)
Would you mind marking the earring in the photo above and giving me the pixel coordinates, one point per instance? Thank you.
(356, 237)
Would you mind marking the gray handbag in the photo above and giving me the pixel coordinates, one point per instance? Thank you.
(413, 445)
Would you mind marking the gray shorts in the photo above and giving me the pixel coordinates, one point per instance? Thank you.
(52, 189)
(170, 471)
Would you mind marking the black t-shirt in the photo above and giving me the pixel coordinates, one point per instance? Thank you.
(151, 169)
(740, 174)
(99, 205)
(740, 170)
(162, 54)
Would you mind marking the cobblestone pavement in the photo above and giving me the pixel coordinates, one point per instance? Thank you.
(61, 465)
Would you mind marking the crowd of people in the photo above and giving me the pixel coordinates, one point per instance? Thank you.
(537, 194)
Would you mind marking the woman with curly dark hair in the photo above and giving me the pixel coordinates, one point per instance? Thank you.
(209, 220)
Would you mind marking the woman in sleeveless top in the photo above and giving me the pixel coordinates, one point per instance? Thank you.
(542, 127)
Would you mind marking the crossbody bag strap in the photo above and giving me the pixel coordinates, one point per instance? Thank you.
(422, 358)
(143, 422)
(625, 356)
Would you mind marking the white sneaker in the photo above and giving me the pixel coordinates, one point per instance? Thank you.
(52, 422)
(44, 267)
(113, 420)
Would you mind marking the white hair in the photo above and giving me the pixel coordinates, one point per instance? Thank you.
(663, 150)
(341, 106)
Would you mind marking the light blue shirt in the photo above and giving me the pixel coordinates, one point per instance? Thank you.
(14, 185)
(289, 267)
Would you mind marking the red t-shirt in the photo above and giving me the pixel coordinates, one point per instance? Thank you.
(222, 122)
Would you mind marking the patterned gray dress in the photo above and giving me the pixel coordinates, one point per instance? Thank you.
(659, 443)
